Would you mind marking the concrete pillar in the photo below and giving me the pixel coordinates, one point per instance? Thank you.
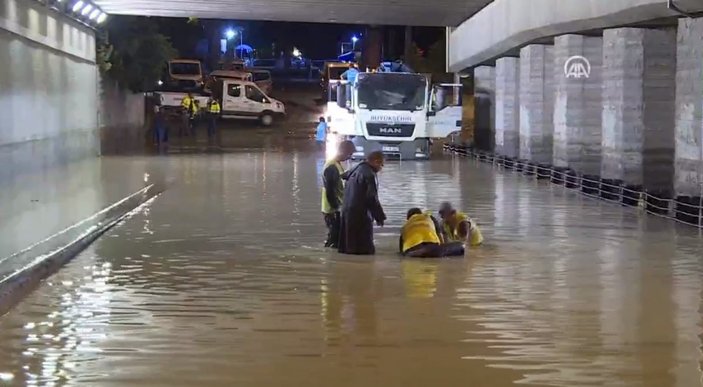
(408, 43)
(639, 69)
(508, 107)
(372, 48)
(689, 107)
(577, 107)
(484, 97)
(536, 103)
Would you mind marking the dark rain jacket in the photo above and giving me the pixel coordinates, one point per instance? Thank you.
(359, 209)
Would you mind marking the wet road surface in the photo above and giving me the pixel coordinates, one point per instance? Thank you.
(222, 281)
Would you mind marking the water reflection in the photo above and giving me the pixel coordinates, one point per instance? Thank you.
(222, 281)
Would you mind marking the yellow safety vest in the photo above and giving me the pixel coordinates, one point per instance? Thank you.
(452, 230)
(186, 103)
(418, 229)
(214, 107)
(326, 207)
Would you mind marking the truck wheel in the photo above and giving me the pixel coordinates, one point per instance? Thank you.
(266, 119)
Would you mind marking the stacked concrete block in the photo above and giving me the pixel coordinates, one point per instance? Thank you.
(536, 103)
(577, 109)
(485, 94)
(689, 107)
(507, 125)
(639, 67)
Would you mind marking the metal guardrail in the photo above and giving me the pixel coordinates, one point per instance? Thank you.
(612, 191)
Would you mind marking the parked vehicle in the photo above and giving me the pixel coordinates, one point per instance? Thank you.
(182, 75)
(262, 78)
(398, 113)
(240, 99)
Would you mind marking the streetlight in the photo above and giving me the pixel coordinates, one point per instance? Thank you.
(230, 34)
(297, 53)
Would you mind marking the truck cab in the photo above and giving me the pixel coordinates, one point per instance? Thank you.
(396, 113)
(184, 74)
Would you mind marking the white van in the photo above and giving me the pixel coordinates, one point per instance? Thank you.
(238, 98)
(244, 99)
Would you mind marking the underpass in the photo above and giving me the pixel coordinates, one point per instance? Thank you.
(220, 279)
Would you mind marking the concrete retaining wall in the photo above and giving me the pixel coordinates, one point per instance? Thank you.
(577, 108)
(48, 89)
(536, 103)
(638, 107)
(507, 111)
(689, 107)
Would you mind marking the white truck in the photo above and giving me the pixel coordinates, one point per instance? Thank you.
(239, 99)
(396, 113)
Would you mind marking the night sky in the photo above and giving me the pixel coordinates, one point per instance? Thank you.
(316, 41)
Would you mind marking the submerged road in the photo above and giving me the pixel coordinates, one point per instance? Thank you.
(222, 281)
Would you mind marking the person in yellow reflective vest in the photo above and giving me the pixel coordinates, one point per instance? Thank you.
(213, 113)
(420, 237)
(457, 226)
(333, 191)
(190, 109)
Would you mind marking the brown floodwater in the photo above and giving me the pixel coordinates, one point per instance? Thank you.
(222, 281)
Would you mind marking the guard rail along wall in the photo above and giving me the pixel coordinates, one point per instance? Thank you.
(688, 211)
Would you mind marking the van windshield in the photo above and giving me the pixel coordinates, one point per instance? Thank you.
(184, 68)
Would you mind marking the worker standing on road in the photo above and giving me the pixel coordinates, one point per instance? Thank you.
(160, 128)
(213, 113)
(333, 191)
(321, 133)
(421, 237)
(351, 74)
(361, 207)
(458, 227)
(188, 110)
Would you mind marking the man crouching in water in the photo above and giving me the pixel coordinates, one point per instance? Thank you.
(459, 227)
(421, 237)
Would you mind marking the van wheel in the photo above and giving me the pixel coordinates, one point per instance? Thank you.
(266, 119)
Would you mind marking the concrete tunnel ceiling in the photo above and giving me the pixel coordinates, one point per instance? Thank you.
(438, 13)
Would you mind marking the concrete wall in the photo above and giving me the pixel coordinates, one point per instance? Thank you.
(504, 25)
(536, 103)
(689, 107)
(48, 87)
(507, 127)
(57, 109)
(121, 119)
(577, 109)
(639, 67)
(485, 93)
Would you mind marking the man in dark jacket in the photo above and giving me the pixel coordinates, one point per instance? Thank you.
(361, 207)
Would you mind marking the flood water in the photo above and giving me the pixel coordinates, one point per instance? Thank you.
(222, 281)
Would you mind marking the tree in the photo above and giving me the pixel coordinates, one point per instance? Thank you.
(138, 53)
